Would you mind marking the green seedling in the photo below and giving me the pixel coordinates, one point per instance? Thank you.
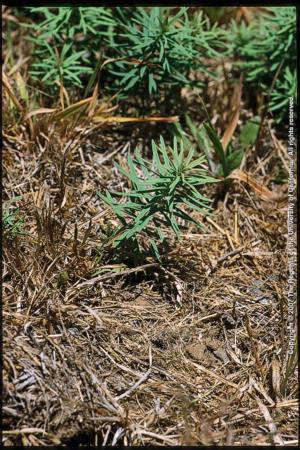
(66, 42)
(160, 192)
(165, 47)
(12, 222)
(222, 161)
(260, 48)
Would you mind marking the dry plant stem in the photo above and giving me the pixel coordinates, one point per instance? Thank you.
(11, 94)
(266, 108)
(229, 132)
(253, 347)
(140, 381)
(233, 253)
(271, 425)
(214, 375)
(111, 275)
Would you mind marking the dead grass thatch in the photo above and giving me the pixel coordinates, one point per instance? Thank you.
(193, 352)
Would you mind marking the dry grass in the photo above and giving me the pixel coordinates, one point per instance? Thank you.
(189, 353)
(180, 355)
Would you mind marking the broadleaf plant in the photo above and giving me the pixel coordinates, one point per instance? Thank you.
(222, 161)
(162, 193)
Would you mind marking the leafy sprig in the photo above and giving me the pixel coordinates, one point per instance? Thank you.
(161, 192)
(12, 221)
(166, 47)
(222, 161)
(66, 41)
(261, 47)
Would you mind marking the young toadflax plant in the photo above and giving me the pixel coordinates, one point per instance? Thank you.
(158, 48)
(66, 41)
(261, 47)
(161, 192)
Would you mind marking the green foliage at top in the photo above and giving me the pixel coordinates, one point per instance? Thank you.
(154, 51)
(161, 192)
(285, 87)
(66, 40)
(167, 47)
(265, 42)
(156, 46)
(260, 47)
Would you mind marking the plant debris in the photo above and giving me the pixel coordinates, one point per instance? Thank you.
(187, 349)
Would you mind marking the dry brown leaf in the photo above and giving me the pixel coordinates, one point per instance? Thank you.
(73, 109)
(235, 118)
(276, 378)
(18, 65)
(20, 82)
(63, 94)
(40, 111)
(118, 119)
(10, 92)
(270, 423)
(262, 191)
(230, 129)
(93, 102)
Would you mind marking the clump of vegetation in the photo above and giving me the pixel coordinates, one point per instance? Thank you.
(149, 48)
(154, 50)
(121, 298)
(12, 221)
(159, 49)
(161, 192)
(67, 43)
(261, 47)
(221, 157)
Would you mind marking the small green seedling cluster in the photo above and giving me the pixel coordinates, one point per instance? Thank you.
(161, 192)
(66, 41)
(12, 222)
